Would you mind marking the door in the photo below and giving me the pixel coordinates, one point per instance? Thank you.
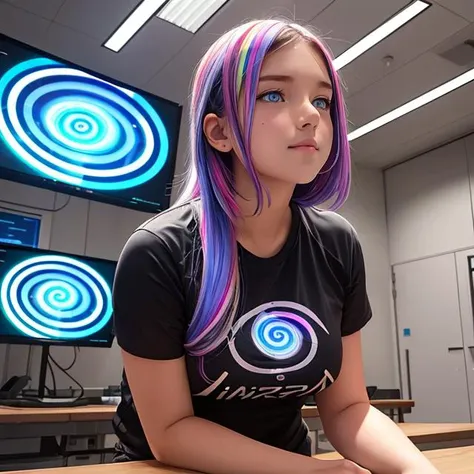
(433, 365)
(465, 272)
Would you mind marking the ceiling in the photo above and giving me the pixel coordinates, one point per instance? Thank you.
(161, 58)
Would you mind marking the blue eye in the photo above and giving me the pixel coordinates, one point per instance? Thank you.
(273, 96)
(321, 103)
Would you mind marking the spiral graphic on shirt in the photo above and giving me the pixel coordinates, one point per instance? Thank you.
(283, 338)
(56, 297)
(277, 335)
(73, 127)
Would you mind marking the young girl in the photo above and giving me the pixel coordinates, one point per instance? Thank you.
(243, 299)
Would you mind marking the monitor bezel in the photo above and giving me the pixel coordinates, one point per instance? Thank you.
(59, 186)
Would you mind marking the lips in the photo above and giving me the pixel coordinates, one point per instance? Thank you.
(305, 145)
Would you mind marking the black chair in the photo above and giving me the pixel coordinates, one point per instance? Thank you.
(371, 390)
(391, 394)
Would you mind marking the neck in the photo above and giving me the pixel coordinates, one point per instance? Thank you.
(265, 233)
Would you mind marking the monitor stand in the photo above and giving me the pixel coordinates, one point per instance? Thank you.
(39, 400)
(43, 371)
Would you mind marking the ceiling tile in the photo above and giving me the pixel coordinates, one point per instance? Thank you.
(408, 43)
(442, 120)
(336, 26)
(433, 139)
(22, 25)
(398, 88)
(465, 8)
(134, 65)
(44, 8)
(420, 144)
(95, 18)
(304, 11)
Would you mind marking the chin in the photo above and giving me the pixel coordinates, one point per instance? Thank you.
(298, 174)
(306, 178)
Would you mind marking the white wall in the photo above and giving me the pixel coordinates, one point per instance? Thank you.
(100, 230)
(429, 203)
(365, 209)
(430, 213)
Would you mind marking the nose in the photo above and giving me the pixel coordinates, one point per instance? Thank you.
(309, 116)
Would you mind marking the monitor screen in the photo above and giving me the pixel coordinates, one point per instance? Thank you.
(71, 130)
(48, 297)
(19, 229)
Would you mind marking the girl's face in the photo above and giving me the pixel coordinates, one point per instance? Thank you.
(292, 131)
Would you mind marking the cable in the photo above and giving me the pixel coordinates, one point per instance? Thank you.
(71, 365)
(36, 208)
(53, 377)
(65, 371)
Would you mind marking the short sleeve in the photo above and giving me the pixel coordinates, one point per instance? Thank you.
(148, 300)
(357, 310)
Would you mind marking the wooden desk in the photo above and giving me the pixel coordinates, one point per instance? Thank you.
(312, 411)
(106, 412)
(56, 415)
(448, 461)
(438, 432)
(425, 434)
(42, 423)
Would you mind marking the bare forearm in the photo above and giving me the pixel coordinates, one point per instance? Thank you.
(368, 437)
(197, 444)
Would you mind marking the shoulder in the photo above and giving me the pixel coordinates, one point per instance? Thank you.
(167, 237)
(175, 225)
(328, 225)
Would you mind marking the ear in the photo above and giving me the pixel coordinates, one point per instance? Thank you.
(217, 132)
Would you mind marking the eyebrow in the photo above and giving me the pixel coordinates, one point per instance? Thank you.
(283, 78)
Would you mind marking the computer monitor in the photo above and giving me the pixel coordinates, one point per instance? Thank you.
(54, 298)
(19, 229)
(78, 132)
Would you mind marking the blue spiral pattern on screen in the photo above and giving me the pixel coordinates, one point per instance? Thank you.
(73, 127)
(276, 336)
(52, 297)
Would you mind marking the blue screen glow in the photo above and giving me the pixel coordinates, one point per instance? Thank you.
(71, 130)
(76, 128)
(44, 295)
(19, 230)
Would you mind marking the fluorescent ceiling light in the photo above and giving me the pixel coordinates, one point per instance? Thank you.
(380, 33)
(424, 99)
(190, 14)
(134, 22)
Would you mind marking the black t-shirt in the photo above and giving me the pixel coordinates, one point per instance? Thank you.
(285, 343)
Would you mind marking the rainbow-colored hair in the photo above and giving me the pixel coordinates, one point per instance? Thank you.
(231, 67)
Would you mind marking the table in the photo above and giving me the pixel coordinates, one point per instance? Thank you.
(428, 436)
(10, 415)
(448, 461)
(39, 422)
(45, 424)
(106, 412)
(96, 420)
(311, 416)
(438, 432)
(399, 405)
